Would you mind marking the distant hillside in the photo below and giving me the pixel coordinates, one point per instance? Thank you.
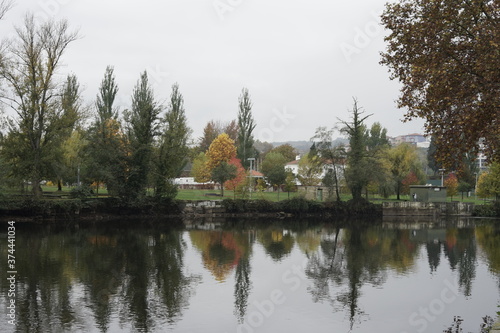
(304, 146)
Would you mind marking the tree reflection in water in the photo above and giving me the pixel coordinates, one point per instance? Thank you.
(137, 277)
(65, 276)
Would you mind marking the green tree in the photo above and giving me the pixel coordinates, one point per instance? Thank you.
(71, 110)
(73, 150)
(445, 55)
(246, 126)
(358, 167)
(376, 137)
(222, 173)
(173, 149)
(288, 152)
(333, 157)
(403, 160)
(107, 149)
(199, 170)
(29, 67)
(290, 185)
(273, 168)
(488, 184)
(310, 169)
(143, 125)
(464, 187)
(106, 98)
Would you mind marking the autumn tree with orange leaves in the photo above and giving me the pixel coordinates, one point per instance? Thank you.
(222, 149)
(240, 178)
(445, 54)
(220, 152)
(451, 183)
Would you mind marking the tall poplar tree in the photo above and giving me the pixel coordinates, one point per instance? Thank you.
(246, 126)
(142, 128)
(107, 147)
(106, 98)
(173, 147)
(70, 104)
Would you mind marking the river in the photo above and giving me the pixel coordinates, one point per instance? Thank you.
(243, 276)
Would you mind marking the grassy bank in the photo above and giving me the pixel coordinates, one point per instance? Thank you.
(61, 203)
(51, 192)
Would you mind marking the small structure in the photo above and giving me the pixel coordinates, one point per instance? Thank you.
(316, 192)
(256, 174)
(428, 193)
(188, 183)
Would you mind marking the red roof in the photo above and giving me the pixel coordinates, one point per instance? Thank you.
(257, 174)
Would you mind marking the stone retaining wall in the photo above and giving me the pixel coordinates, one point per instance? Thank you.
(435, 209)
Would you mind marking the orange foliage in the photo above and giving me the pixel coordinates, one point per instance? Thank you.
(411, 179)
(451, 183)
(222, 149)
(240, 175)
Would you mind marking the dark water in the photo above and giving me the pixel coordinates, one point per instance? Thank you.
(251, 277)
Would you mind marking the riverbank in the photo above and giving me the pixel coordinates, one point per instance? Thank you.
(110, 208)
(100, 209)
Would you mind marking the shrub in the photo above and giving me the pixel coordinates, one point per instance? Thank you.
(487, 210)
(263, 206)
(80, 192)
(295, 205)
(235, 205)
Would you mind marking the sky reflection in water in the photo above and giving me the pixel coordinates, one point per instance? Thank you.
(243, 277)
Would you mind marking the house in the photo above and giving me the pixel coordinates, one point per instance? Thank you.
(188, 183)
(293, 166)
(414, 138)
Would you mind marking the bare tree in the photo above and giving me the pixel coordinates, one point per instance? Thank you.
(5, 6)
(28, 67)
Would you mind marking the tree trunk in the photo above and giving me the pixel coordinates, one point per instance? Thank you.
(337, 192)
(357, 195)
(35, 187)
(59, 185)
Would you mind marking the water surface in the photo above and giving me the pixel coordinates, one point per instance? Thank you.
(271, 276)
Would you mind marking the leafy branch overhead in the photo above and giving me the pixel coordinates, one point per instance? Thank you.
(445, 54)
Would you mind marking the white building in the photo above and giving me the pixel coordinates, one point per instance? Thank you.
(293, 166)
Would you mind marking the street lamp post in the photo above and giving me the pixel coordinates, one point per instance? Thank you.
(475, 186)
(251, 160)
(442, 176)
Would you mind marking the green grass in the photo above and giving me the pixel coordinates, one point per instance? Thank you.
(271, 196)
(201, 195)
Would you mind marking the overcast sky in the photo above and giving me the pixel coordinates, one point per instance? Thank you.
(303, 61)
